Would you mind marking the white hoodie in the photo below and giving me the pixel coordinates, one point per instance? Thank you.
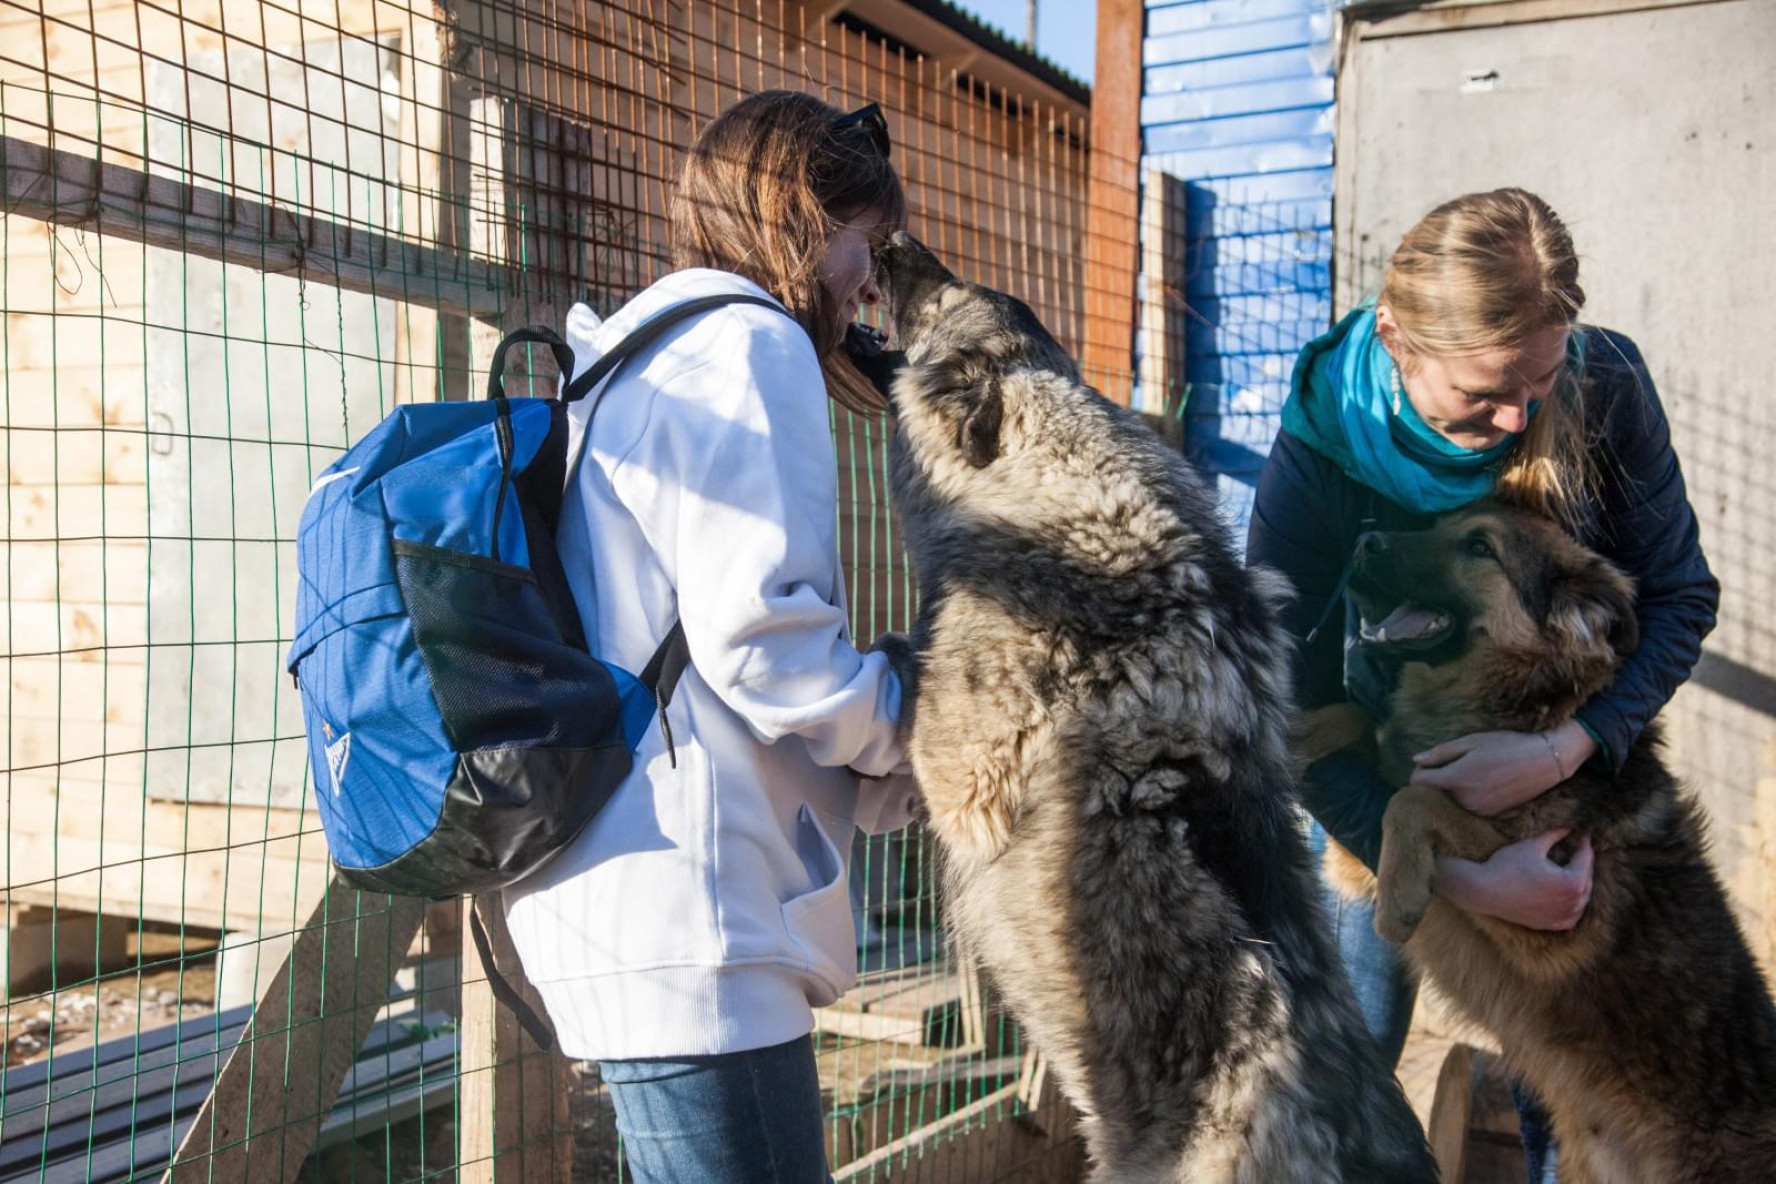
(705, 909)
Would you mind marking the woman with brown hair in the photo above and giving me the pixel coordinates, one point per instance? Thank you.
(684, 937)
(1468, 377)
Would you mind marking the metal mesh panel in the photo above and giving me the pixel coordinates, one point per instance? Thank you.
(235, 235)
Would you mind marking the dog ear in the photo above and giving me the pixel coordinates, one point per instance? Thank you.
(977, 436)
(1594, 607)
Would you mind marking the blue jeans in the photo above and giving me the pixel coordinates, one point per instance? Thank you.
(1385, 986)
(749, 1117)
(1387, 992)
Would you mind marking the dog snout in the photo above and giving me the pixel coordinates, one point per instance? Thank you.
(904, 261)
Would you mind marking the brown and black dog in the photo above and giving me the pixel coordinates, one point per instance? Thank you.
(1648, 1029)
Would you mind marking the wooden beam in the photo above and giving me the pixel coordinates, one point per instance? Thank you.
(983, 1140)
(1473, 1129)
(265, 1112)
(75, 189)
(1162, 313)
(514, 1122)
(1112, 234)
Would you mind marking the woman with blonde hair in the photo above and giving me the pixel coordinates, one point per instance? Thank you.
(684, 937)
(1469, 376)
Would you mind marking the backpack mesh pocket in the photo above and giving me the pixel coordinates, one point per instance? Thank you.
(501, 671)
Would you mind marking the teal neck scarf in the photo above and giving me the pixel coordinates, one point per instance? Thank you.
(1341, 404)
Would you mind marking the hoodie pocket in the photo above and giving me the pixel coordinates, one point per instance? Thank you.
(819, 921)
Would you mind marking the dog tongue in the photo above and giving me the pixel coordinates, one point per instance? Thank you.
(1405, 623)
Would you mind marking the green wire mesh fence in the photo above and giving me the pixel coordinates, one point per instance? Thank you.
(237, 233)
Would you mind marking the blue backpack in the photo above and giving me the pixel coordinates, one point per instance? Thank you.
(461, 729)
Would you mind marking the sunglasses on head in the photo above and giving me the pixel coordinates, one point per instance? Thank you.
(872, 120)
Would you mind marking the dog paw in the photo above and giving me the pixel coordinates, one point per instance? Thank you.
(1397, 924)
(902, 658)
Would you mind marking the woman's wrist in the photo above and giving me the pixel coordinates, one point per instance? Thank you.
(1456, 881)
(1569, 746)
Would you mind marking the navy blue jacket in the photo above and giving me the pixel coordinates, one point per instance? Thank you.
(1308, 514)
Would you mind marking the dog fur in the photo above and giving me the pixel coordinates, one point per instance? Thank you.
(1647, 1030)
(1099, 723)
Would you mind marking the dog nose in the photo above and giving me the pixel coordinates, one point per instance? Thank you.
(1371, 544)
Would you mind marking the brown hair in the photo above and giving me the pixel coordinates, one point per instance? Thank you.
(1489, 270)
(760, 193)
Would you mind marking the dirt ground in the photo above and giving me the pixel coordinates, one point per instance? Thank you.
(122, 1003)
(160, 989)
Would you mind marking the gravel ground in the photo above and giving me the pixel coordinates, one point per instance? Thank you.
(122, 1002)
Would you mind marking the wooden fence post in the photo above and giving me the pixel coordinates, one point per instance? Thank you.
(265, 1111)
(1162, 324)
(1113, 197)
(513, 1119)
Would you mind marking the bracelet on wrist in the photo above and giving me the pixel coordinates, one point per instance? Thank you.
(1554, 752)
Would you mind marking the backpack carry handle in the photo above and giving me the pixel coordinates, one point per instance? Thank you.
(564, 356)
(496, 391)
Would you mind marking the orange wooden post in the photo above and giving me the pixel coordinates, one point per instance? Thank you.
(1113, 200)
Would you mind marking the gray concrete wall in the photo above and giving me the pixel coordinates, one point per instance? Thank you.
(1654, 135)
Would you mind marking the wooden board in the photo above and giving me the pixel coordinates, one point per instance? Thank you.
(1473, 1126)
(514, 1120)
(85, 845)
(923, 1006)
(73, 189)
(262, 1118)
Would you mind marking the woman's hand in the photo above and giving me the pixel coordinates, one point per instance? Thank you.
(1520, 884)
(1491, 772)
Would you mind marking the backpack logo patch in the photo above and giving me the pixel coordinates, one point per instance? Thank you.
(338, 753)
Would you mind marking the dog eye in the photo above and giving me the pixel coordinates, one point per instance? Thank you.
(1479, 548)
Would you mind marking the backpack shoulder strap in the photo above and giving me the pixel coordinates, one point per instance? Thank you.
(664, 669)
(661, 676)
(650, 332)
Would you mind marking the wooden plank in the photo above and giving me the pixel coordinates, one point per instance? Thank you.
(919, 1143)
(1162, 313)
(423, 90)
(256, 886)
(159, 1079)
(89, 808)
(83, 1098)
(513, 1121)
(974, 1008)
(74, 189)
(1473, 1129)
(957, 1070)
(305, 1035)
(918, 1006)
(858, 1025)
(1447, 1130)
(925, 992)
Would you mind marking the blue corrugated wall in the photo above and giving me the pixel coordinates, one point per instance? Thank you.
(1237, 103)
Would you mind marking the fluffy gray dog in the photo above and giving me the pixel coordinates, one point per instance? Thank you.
(1100, 728)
